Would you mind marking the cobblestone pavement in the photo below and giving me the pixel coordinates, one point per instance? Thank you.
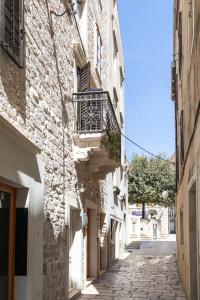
(144, 274)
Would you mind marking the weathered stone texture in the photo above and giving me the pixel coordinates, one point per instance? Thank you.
(36, 99)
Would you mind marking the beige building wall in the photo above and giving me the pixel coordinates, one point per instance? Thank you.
(186, 94)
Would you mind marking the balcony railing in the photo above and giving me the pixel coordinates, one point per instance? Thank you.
(95, 114)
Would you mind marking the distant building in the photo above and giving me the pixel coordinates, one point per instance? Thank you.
(158, 222)
(186, 96)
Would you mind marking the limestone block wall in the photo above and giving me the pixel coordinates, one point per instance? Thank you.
(187, 42)
(37, 101)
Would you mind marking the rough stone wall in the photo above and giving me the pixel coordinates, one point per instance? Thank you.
(98, 16)
(37, 101)
(188, 97)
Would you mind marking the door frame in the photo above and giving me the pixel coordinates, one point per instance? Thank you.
(193, 240)
(11, 240)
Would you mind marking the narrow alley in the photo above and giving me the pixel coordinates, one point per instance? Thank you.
(148, 273)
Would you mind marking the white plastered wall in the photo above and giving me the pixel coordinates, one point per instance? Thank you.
(21, 168)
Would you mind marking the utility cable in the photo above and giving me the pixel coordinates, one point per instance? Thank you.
(145, 150)
(58, 15)
(140, 114)
(73, 13)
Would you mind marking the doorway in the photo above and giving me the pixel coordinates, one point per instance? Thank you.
(92, 244)
(74, 250)
(7, 242)
(103, 262)
(13, 244)
(193, 242)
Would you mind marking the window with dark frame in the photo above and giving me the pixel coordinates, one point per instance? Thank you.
(83, 78)
(121, 76)
(98, 51)
(115, 97)
(182, 137)
(181, 227)
(115, 46)
(12, 29)
(190, 24)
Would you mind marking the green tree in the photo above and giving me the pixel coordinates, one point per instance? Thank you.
(148, 178)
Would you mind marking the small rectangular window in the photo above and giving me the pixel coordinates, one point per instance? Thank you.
(121, 75)
(98, 52)
(115, 98)
(83, 78)
(181, 228)
(182, 154)
(12, 29)
(115, 46)
(190, 24)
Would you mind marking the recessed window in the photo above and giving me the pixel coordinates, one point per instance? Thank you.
(121, 76)
(182, 152)
(98, 52)
(12, 29)
(190, 24)
(181, 228)
(115, 98)
(115, 46)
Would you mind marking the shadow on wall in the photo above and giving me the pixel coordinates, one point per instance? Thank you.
(63, 97)
(55, 257)
(13, 79)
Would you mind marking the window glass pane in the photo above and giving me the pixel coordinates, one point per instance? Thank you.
(21, 241)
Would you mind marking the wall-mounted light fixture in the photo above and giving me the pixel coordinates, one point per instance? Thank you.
(84, 217)
(116, 189)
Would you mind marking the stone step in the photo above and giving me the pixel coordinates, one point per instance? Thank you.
(133, 245)
(73, 294)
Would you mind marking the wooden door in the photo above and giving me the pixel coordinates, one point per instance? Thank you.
(88, 242)
(7, 242)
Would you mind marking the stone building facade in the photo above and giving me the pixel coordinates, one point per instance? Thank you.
(186, 95)
(158, 222)
(63, 184)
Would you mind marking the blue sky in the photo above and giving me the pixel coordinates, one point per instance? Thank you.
(146, 28)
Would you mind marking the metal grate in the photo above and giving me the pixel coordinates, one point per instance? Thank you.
(94, 112)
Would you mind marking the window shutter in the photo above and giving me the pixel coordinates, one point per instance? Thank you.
(84, 78)
(12, 29)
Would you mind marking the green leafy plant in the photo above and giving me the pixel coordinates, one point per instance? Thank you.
(113, 144)
(148, 178)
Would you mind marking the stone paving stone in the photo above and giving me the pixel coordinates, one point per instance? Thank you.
(149, 277)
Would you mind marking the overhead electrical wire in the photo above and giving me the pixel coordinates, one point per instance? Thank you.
(140, 114)
(127, 138)
(145, 150)
(136, 144)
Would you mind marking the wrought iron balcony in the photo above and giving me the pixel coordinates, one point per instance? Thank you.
(94, 112)
(96, 127)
